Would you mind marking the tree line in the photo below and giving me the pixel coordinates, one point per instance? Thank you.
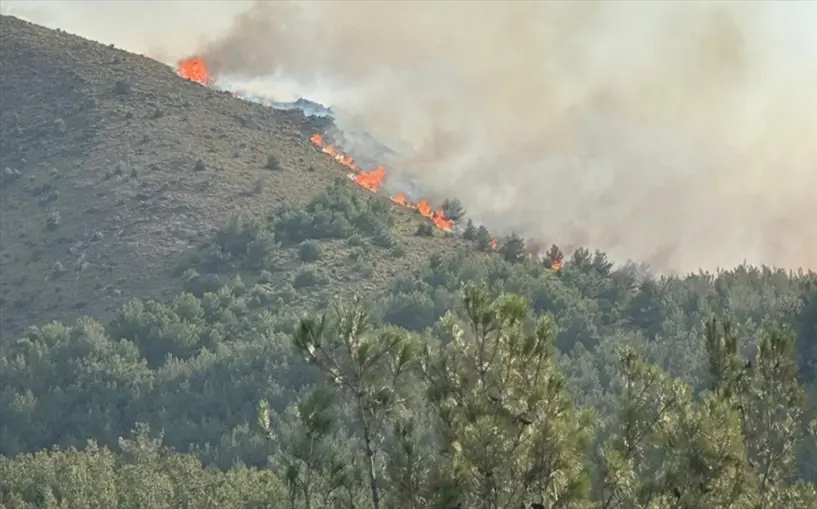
(478, 414)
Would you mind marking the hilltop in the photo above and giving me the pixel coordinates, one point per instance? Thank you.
(115, 169)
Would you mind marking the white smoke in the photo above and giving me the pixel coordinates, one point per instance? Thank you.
(682, 134)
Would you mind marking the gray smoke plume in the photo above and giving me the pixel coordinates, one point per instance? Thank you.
(682, 134)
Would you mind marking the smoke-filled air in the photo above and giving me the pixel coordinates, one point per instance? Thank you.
(680, 134)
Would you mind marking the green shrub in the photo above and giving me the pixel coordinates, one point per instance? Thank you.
(198, 284)
(265, 278)
(355, 240)
(273, 163)
(384, 239)
(413, 311)
(337, 212)
(308, 277)
(309, 251)
(425, 230)
(260, 250)
(212, 259)
(235, 237)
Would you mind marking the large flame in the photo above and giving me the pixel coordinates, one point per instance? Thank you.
(373, 181)
(195, 69)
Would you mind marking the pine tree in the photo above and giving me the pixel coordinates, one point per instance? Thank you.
(367, 369)
(508, 431)
(770, 401)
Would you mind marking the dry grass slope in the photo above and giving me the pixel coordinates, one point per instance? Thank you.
(113, 168)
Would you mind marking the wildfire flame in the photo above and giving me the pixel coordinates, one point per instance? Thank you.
(373, 181)
(195, 69)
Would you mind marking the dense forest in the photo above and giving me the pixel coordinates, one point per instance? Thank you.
(484, 378)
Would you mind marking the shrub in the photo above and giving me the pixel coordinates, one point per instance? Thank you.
(273, 163)
(265, 277)
(414, 311)
(309, 251)
(308, 277)
(384, 239)
(299, 224)
(212, 259)
(198, 285)
(355, 240)
(235, 237)
(122, 87)
(337, 212)
(425, 230)
(259, 251)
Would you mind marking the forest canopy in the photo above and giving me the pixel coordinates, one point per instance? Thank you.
(482, 378)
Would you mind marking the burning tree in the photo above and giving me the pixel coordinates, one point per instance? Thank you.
(554, 257)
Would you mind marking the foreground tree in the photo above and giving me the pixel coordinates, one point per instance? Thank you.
(368, 369)
(665, 450)
(735, 447)
(312, 456)
(770, 402)
(509, 433)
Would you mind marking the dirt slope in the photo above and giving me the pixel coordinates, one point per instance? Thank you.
(114, 169)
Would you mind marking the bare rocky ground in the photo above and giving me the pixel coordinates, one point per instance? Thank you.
(113, 168)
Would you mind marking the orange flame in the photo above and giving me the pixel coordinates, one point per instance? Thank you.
(373, 181)
(195, 69)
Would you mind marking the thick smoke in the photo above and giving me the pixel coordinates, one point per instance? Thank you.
(681, 134)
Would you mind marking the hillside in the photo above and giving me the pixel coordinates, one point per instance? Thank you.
(103, 193)
(180, 328)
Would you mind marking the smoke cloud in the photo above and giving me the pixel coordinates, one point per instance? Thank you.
(680, 134)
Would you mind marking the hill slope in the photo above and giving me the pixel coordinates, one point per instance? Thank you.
(114, 167)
